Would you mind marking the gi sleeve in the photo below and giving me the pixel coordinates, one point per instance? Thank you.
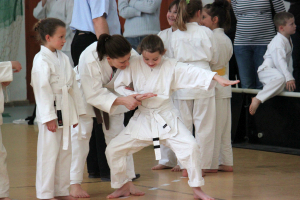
(145, 6)
(187, 76)
(92, 85)
(6, 72)
(98, 8)
(127, 11)
(279, 58)
(44, 97)
(123, 80)
(39, 12)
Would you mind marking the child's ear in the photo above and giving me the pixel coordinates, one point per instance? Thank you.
(47, 38)
(164, 52)
(215, 20)
(108, 58)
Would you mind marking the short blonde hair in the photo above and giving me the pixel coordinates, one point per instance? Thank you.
(281, 18)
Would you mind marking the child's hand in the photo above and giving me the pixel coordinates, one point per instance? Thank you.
(5, 83)
(141, 97)
(16, 66)
(52, 125)
(74, 126)
(290, 85)
(223, 81)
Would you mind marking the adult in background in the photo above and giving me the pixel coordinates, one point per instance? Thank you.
(142, 19)
(254, 31)
(295, 10)
(91, 18)
(62, 10)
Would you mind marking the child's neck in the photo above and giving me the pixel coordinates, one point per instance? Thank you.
(174, 28)
(214, 26)
(50, 48)
(285, 34)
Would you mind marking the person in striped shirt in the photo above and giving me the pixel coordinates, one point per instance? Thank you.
(254, 32)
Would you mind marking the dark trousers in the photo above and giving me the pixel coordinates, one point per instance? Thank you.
(96, 160)
(296, 59)
(234, 70)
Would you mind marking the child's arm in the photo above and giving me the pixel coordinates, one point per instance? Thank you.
(80, 106)
(279, 58)
(189, 76)
(39, 12)
(44, 97)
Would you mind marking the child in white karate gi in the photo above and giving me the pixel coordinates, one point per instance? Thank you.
(157, 120)
(196, 45)
(168, 159)
(6, 76)
(97, 71)
(59, 105)
(216, 16)
(274, 73)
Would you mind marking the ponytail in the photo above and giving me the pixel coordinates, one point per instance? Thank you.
(186, 11)
(220, 9)
(114, 46)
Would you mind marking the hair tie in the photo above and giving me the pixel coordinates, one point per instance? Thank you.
(187, 1)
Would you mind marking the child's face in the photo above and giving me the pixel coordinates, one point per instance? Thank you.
(120, 63)
(58, 39)
(171, 15)
(151, 59)
(207, 20)
(290, 27)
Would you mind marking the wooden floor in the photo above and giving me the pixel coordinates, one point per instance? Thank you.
(258, 175)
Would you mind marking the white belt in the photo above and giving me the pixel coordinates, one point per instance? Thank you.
(65, 91)
(157, 118)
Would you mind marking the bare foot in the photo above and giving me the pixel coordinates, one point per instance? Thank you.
(6, 198)
(176, 169)
(127, 189)
(160, 167)
(77, 192)
(65, 198)
(210, 170)
(199, 194)
(225, 168)
(184, 173)
(254, 105)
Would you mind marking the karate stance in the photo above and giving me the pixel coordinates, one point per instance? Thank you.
(6, 76)
(216, 16)
(98, 68)
(274, 73)
(168, 159)
(59, 105)
(157, 120)
(196, 45)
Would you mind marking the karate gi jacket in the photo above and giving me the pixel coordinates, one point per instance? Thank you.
(225, 51)
(6, 75)
(60, 9)
(157, 116)
(54, 80)
(96, 82)
(278, 56)
(198, 47)
(166, 36)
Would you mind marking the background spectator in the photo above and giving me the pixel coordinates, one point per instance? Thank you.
(142, 19)
(255, 30)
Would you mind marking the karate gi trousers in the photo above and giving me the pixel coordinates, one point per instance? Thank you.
(222, 146)
(116, 126)
(4, 182)
(80, 148)
(202, 114)
(53, 164)
(183, 144)
(273, 82)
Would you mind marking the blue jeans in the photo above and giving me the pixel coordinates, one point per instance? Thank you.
(249, 58)
(135, 41)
